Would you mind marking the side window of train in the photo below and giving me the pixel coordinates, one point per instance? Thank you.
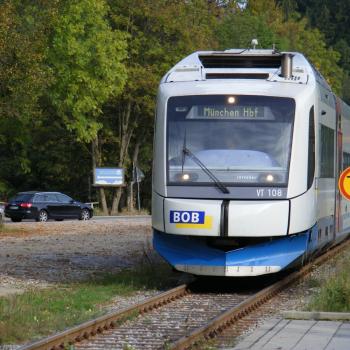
(311, 153)
(327, 152)
(346, 160)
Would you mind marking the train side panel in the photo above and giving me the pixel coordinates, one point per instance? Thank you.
(343, 219)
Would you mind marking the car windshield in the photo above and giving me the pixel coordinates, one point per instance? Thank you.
(242, 140)
(21, 197)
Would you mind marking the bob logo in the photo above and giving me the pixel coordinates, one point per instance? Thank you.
(190, 219)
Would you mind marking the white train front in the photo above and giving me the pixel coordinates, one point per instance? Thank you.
(248, 149)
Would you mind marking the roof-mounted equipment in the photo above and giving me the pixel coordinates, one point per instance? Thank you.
(287, 65)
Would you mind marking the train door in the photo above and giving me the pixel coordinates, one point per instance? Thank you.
(326, 181)
(343, 204)
(339, 168)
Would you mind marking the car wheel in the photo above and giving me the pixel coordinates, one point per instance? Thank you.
(84, 215)
(43, 216)
(16, 220)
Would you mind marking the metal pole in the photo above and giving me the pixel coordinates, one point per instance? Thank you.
(138, 196)
(89, 184)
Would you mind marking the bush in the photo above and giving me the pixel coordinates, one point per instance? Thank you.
(334, 296)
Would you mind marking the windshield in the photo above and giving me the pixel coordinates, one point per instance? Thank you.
(242, 140)
(21, 197)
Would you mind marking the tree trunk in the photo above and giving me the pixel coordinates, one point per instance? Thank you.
(130, 199)
(125, 134)
(96, 161)
(103, 201)
(116, 199)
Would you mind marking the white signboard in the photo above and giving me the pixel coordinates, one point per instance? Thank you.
(108, 177)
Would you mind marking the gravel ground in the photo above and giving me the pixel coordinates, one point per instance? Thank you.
(39, 254)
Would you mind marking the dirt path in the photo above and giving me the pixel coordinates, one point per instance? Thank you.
(38, 254)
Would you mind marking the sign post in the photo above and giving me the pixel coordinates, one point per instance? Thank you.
(138, 176)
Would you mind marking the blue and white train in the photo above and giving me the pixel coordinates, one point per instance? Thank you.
(248, 149)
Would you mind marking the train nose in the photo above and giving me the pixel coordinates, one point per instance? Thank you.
(258, 218)
(194, 255)
(261, 218)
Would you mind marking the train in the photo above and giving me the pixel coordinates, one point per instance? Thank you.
(248, 148)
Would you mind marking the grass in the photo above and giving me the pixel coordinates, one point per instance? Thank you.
(334, 293)
(8, 230)
(313, 282)
(37, 313)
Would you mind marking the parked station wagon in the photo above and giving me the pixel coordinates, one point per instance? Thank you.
(42, 206)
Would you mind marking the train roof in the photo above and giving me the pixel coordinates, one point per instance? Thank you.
(243, 64)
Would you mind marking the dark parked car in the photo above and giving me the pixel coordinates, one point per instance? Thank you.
(42, 206)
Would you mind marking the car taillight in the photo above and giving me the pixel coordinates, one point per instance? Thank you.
(26, 205)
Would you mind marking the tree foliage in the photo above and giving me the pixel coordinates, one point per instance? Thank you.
(23, 73)
(78, 78)
(86, 57)
(159, 34)
(335, 20)
(24, 78)
(278, 25)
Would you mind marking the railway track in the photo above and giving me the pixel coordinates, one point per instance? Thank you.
(176, 319)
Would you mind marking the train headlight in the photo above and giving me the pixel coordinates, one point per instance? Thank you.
(231, 100)
(186, 177)
(270, 178)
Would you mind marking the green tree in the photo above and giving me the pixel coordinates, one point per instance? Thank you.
(312, 43)
(61, 61)
(24, 78)
(159, 34)
(266, 20)
(23, 74)
(86, 57)
(331, 18)
(238, 29)
(288, 7)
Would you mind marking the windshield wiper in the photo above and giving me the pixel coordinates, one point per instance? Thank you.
(218, 183)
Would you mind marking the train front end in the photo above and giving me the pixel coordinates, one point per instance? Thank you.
(233, 172)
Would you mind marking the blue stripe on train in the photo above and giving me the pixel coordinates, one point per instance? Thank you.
(183, 250)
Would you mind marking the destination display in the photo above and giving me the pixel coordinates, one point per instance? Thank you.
(230, 112)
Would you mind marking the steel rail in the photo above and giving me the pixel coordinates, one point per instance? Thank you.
(208, 331)
(102, 323)
(231, 316)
